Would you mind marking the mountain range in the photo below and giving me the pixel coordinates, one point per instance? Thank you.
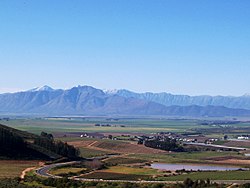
(87, 100)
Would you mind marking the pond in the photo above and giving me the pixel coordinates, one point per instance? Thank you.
(194, 167)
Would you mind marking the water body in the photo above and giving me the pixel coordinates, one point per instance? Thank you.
(194, 167)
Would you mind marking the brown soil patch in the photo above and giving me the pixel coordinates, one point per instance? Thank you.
(116, 147)
(234, 162)
(223, 158)
(85, 143)
(243, 144)
(230, 160)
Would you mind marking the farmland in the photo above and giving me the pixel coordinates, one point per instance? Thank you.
(87, 152)
(66, 170)
(196, 157)
(14, 168)
(115, 142)
(122, 172)
(227, 175)
(126, 125)
(111, 146)
(53, 125)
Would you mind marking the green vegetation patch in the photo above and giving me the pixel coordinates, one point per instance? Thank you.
(88, 125)
(87, 152)
(184, 157)
(114, 176)
(66, 170)
(122, 160)
(132, 170)
(215, 175)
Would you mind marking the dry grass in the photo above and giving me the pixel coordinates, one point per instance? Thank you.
(14, 168)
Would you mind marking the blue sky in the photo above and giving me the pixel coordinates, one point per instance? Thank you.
(187, 47)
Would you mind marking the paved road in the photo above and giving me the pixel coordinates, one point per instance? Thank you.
(43, 171)
(215, 146)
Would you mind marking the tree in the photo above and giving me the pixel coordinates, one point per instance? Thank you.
(225, 137)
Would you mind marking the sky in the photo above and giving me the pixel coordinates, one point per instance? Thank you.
(182, 47)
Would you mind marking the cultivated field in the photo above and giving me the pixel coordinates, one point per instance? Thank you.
(219, 175)
(89, 152)
(123, 172)
(129, 160)
(14, 168)
(66, 170)
(53, 125)
(205, 157)
(114, 146)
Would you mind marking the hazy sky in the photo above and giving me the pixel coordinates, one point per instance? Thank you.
(178, 46)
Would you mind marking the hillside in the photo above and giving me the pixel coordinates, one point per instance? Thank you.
(87, 100)
(168, 99)
(16, 144)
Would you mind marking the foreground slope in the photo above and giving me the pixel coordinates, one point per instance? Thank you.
(16, 144)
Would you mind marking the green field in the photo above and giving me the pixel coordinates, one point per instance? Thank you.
(123, 160)
(58, 171)
(131, 170)
(127, 165)
(123, 125)
(219, 175)
(184, 157)
(88, 125)
(114, 176)
(87, 152)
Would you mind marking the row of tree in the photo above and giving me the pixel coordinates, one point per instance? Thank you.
(12, 145)
(166, 144)
(46, 141)
(10, 142)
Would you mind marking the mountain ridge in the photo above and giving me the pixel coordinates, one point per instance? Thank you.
(87, 100)
(168, 99)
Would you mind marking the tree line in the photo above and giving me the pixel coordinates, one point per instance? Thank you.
(166, 144)
(10, 143)
(47, 141)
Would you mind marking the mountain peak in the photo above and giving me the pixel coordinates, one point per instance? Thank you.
(246, 95)
(110, 91)
(42, 88)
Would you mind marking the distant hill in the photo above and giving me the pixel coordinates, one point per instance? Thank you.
(16, 144)
(87, 100)
(167, 99)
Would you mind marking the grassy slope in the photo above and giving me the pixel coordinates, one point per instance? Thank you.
(14, 168)
(23, 134)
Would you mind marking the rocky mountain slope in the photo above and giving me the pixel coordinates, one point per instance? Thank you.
(87, 100)
(168, 99)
